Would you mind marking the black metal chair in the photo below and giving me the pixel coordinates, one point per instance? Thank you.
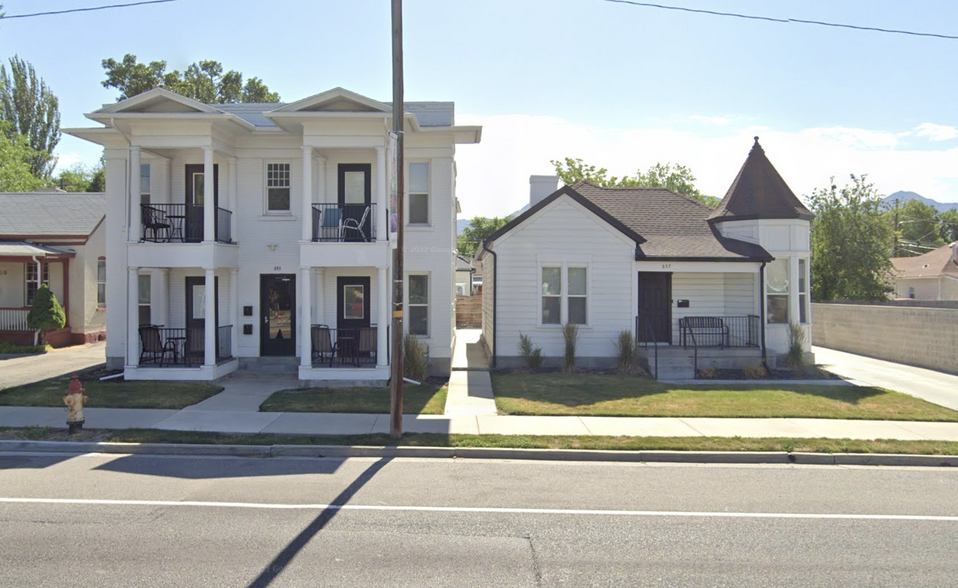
(367, 343)
(323, 347)
(152, 347)
(154, 220)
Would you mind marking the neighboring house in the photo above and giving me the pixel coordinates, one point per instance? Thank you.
(59, 239)
(286, 263)
(656, 263)
(464, 273)
(930, 276)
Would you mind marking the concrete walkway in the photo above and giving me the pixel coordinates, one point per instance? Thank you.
(930, 385)
(470, 386)
(27, 369)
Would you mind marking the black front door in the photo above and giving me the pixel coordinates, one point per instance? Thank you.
(352, 314)
(277, 302)
(655, 306)
(196, 198)
(354, 198)
(196, 314)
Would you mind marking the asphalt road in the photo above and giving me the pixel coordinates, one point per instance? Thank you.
(169, 521)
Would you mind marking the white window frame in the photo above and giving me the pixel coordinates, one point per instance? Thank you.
(42, 277)
(409, 304)
(804, 278)
(788, 291)
(564, 296)
(99, 282)
(427, 193)
(266, 188)
(146, 197)
(149, 295)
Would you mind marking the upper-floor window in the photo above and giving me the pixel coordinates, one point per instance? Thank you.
(277, 187)
(33, 281)
(418, 193)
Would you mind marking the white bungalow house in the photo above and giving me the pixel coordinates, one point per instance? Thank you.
(693, 285)
(930, 276)
(286, 264)
(59, 239)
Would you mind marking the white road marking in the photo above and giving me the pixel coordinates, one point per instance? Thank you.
(485, 510)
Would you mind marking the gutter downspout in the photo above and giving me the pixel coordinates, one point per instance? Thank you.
(495, 299)
(761, 306)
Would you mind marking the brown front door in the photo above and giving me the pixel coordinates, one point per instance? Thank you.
(655, 307)
(278, 308)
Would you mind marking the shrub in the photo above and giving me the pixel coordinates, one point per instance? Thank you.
(755, 372)
(531, 355)
(627, 350)
(46, 314)
(7, 347)
(415, 359)
(797, 337)
(570, 333)
(709, 373)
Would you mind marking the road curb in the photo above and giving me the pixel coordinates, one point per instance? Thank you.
(345, 451)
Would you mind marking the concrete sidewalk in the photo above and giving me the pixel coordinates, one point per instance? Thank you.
(27, 369)
(470, 385)
(933, 386)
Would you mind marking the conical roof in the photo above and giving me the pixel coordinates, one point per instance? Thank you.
(759, 192)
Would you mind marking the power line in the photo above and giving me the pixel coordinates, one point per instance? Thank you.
(783, 20)
(88, 9)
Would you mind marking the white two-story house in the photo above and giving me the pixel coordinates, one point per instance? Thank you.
(258, 234)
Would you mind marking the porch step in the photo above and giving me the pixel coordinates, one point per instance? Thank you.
(284, 365)
(672, 367)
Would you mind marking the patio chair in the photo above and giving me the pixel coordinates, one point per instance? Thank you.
(331, 223)
(195, 347)
(152, 347)
(367, 343)
(323, 347)
(352, 224)
(155, 220)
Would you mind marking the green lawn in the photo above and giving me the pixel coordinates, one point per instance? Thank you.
(112, 394)
(609, 395)
(422, 399)
(820, 445)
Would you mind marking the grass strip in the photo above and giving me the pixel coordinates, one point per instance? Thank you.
(112, 394)
(421, 399)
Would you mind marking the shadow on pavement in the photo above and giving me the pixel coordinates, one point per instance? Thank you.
(279, 563)
(206, 468)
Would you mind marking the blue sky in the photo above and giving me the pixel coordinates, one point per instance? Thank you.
(618, 85)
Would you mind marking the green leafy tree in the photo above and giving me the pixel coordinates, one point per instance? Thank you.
(15, 174)
(675, 177)
(948, 229)
(917, 227)
(32, 111)
(47, 313)
(79, 178)
(204, 81)
(479, 229)
(851, 243)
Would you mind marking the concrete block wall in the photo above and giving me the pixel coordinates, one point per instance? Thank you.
(923, 337)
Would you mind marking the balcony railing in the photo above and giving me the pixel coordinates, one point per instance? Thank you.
(14, 319)
(344, 222)
(181, 347)
(720, 331)
(352, 347)
(181, 223)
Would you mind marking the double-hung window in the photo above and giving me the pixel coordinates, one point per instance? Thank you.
(803, 291)
(144, 283)
(101, 282)
(144, 183)
(564, 295)
(419, 304)
(33, 280)
(418, 193)
(776, 285)
(277, 187)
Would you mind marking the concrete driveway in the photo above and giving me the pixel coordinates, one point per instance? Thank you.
(20, 370)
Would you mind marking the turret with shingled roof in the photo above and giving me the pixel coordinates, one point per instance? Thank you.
(759, 192)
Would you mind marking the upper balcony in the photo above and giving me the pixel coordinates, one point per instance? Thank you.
(182, 223)
(344, 235)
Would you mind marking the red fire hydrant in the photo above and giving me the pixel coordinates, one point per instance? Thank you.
(75, 401)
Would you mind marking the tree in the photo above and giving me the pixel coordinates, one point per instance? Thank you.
(851, 243)
(79, 178)
(479, 229)
(47, 313)
(677, 178)
(203, 81)
(33, 111)
(948, 230)
(15, 175)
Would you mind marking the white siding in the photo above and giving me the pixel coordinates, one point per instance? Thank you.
(488, 301)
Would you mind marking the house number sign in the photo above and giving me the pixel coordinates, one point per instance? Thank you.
(277, 268)
(666, 266)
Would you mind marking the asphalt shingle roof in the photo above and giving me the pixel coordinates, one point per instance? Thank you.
(50, 213)
(934, 263)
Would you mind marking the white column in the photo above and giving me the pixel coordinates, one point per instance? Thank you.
(133, 317)
(209, 197)
(134, 195)
(307, 219)
(305, 318)
(209, 318)
(379, 221)
(383, 305)
(234, 311)
(233, 199)
(321, 178)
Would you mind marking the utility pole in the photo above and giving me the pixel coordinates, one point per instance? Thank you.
(395, 369)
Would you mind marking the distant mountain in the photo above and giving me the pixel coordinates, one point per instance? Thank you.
(461, 224)
(904, 197)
